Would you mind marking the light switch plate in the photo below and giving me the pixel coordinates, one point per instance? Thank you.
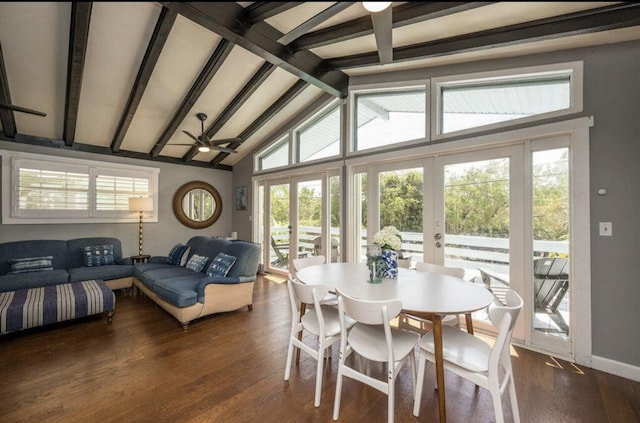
(606, 229)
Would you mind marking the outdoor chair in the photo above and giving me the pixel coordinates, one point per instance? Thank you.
(372, 338)
(282, 258)
(551, 282)
(475, 360)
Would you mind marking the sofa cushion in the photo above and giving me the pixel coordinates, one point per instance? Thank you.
(196, 263)
(27, 280)
(74, 250)
(178, 255)
(31, 264)
(221, 265)
(179, 291)
(97, 255)
(154, 273)
(106, 272)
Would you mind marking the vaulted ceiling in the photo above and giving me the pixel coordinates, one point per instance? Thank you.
(129, 78)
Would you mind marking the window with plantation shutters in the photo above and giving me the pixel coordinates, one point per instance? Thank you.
(45, 189)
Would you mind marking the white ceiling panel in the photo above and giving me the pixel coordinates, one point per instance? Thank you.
(118, 37)
(187, 51)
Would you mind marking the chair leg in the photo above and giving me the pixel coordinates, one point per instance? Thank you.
(391, 392)
(336, 402)
(514, 401)
(496, 398)
(287, 370)
(319, 357)
(422, 362)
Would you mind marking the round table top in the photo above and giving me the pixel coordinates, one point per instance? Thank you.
(419, 292)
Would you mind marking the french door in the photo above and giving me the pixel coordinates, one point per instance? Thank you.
(300, 218)
(503, 214)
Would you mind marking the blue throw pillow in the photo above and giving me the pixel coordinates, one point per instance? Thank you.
(197, 263)
(31, 264)
(221, 265)
(97, 255)
(178, 255)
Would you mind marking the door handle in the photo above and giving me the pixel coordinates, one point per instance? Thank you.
(438, 244)
(437, 236)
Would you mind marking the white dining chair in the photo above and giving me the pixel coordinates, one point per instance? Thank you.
(404, 320)
(372, 338)
(322, 321)
(473, 359)
(302, 262)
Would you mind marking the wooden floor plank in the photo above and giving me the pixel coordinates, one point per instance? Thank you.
(230, 368)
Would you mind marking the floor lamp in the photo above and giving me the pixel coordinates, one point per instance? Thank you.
(140, 204)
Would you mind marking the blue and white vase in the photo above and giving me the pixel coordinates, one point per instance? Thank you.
(389, 268)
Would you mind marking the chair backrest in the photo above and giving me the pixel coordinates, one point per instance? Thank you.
(301, 263)
(307, 293)
(369, 312)
(504, 319)
(458, 272)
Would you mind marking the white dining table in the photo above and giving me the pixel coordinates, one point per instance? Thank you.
(424, 294)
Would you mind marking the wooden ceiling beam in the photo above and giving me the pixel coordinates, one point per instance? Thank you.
(217, 58)
(6, 116)
(262, 10)
(618, 16)
(241, 98)
(404, 14)
(314, 21)
(165, 22)
(267, 115)
(78, 40)
(261, 39)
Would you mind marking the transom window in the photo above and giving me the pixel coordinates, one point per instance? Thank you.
(487, 101)
(320, 138)
(389, 117)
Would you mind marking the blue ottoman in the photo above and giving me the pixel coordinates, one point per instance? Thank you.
(28, 308)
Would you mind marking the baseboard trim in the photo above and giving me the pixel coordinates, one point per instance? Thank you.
(617, 368)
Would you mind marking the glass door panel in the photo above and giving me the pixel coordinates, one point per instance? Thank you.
(279, 226)
(309, 224)
(551, 265)
(476, 223)
(401, 204)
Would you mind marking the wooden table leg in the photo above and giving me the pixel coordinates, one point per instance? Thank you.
(303, 309)
(469, 321)
(437, 341)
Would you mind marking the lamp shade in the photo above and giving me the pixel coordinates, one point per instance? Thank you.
(140, 204)
(376, 6)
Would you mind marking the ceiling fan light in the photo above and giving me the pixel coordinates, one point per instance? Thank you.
(204, 149)
(376, 6)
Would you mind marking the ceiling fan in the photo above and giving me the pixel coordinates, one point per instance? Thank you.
(205, 144)
(21, 109)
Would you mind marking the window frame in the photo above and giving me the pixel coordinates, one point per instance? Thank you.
(13, 161)
(573, 69)
(314, 119)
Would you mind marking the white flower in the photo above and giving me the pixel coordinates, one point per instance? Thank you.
(389, 238)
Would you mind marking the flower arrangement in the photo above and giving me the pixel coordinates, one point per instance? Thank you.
(389, 238)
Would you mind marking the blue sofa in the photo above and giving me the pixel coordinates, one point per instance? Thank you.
(67, 264)
(187, 294)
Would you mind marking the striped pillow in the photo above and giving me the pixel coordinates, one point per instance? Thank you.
(31, 264)
(97, 255)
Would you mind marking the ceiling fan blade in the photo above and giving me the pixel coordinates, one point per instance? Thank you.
(382, 28)
(224, 149)
(225, 141)
(21, 109)
(196, 139)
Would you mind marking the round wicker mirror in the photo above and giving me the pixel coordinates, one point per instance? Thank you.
(197, 204)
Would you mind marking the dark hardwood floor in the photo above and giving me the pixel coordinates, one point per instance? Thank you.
(230, 367)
